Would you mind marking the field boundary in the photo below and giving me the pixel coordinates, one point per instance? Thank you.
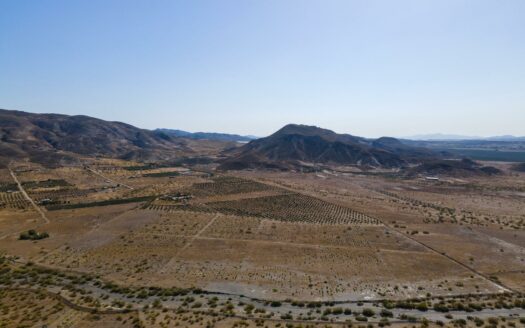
(22, 190)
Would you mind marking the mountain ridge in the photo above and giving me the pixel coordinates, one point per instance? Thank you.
(54, 139)
(296, 143)
(206, 135)
(457, 137)
(49, 138)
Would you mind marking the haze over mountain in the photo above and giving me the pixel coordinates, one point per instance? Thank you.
(206, 135)
(457, 137)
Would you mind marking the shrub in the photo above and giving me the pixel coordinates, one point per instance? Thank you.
(361, 318)
(479, 322)
(249, 308)
(33, 235)
(460, 322)
(386, 313)
(337, 311)
(368, 312)
(439, 307)
(422, 306)
(493, 320)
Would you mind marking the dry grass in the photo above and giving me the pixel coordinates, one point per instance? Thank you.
(286, 235)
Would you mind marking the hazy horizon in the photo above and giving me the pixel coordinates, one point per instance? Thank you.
(426, 136)
(374, 68)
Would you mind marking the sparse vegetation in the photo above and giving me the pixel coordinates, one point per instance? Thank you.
(33, 235)
(230, 220)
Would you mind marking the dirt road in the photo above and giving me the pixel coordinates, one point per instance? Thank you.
(26, 196)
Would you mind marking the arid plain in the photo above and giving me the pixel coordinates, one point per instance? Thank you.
(146, 245)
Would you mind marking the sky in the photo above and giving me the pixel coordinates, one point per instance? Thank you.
(369, 68)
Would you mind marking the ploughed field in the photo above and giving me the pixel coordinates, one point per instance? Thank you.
(265, 236)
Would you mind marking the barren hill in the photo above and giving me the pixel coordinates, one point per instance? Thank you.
(295, 144)
(49, 138)
(54, 139)
(520, 167)
(456, 168)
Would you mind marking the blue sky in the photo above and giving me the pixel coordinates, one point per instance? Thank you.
(367, 67)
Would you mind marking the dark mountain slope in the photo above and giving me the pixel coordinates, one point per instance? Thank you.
(520, 167)
(406, 151)
(294, 144)
(456, 168)
(206, 135)
(49, 137)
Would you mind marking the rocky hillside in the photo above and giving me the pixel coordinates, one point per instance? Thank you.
(48, 138)
(294, 145)
(454, 168)
(520, 167)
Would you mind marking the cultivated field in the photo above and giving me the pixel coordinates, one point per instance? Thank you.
(119, 243)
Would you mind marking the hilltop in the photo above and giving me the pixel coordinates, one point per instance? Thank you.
(302, 147)
(206, 135)
(51, 138)
(294, 145)
(54, 139)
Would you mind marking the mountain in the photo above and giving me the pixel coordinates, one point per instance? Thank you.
(206, 135)
(53, 139)
(441, 137)
(294, 145)
(455, 137)
(520, 167)
(456, 168)
(408, 152)
(50, 138)
(505, 138)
